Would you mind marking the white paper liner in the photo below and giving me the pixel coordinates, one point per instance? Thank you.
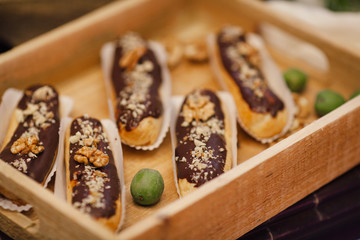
(272, 74)
(9, 102)
(115, 144)
(226, 101)
(107, 56)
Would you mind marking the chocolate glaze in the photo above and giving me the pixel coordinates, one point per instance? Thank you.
(216, 142)
(81, 190)
(38, 167)
(270, 103)
(153, 103)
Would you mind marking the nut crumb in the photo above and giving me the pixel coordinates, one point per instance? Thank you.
(196, 52)
(175, 52)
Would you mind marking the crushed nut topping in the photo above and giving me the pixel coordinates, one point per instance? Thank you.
(302, 106)
(199, 115)
(41, 116)
(131, 41)
(133, 96)
(197, 107)
(231, 33)
(246, 60)
(95, 180)
(75, 138)
(175, 53)
(44, 93)
(20, 165)
(88, 137)
(34, 114)
(24, 145)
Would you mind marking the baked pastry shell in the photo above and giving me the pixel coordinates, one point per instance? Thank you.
(107, 56)
(8, 105)
(228, 105)
(110, 129)
(274, 80)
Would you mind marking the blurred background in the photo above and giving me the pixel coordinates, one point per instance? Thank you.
(22, 20)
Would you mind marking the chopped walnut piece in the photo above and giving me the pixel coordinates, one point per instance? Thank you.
(99, 159)
(245, 48)
(304, 107)
(25, 145)
(231, 33)
(89, 141)
(95, 156)
(196, 51)
(36, 149)
(175, 52)
(43, 93)
(81, 159)
(86, 151)
(198, 107)
(255, 59)
(130, 59)
(251, 53)
(18, 145)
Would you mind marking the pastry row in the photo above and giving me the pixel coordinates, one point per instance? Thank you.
(138, 84)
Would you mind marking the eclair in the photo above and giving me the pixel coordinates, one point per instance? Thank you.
(31, 142)
(136, 82)
(262, 112)
(92, 180)
(203, 140)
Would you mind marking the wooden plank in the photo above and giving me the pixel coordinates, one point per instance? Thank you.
(262, 186)
(17, 225)
(57, 219)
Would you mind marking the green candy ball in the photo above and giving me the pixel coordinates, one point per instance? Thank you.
(295, 79)
(326, 101)
(147, 186)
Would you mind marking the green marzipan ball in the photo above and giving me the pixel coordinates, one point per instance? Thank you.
(326, 101)
(147, 186)
(295, 79)
(355, 94)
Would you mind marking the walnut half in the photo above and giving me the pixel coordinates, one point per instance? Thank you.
(131, 58)
(196, 51)
(198, 107)
(25, 145)
(95, 156)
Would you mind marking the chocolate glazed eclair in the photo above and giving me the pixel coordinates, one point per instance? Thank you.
(203, 146)
(136, 79)
(31, 142)
(92, 180)
(260, 110)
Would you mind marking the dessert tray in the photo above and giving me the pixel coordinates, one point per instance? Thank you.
(268, 177)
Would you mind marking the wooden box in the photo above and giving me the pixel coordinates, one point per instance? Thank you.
(266, 180)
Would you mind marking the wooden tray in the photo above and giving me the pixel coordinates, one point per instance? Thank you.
(270, 179)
